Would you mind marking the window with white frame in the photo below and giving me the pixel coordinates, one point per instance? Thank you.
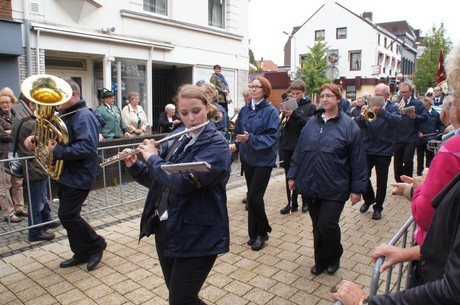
(320, 35)
(216, 13)
(156, 6)
(355, 60)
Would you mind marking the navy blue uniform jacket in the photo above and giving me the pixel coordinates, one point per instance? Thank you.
(197, 222)
(329, 161)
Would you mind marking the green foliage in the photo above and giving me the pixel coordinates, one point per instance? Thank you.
(314, 67)
(427, 64)
(253, 63)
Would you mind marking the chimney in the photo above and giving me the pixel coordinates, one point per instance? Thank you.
(368, 16)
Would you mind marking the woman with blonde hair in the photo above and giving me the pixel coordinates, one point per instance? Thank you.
(221, 119)
(11, 207)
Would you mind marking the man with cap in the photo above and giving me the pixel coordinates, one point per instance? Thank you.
(114, 127)
(378, 142)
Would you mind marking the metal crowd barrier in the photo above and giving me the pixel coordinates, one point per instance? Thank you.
(397, 275)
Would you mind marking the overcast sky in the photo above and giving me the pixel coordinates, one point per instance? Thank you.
(269, 18)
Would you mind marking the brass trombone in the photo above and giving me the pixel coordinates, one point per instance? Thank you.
(134, 151)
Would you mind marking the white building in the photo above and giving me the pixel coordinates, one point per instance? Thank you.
(361, 53)
(147, 46)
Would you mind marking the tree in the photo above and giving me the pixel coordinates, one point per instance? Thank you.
(427, 64)
(314, 67)
(253, 63)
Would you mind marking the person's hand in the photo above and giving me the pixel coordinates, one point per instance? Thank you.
(291, 184)
(411, 114)
(237, 110)
(101, 138)
(232, 148)
(377, 108)
(399, 188)
(51, 146)
(288, 112)
(29, 143)
(138, 131)
(242, 137)
(8, 132)
(148, 148)
(355, 198)
(348, 293)
(176, 122)
(129, 160)
(128, 135)
(393, 255)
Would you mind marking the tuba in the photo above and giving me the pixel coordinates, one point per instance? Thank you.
(48, 91)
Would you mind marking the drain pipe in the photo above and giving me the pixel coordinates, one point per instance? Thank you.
(26, 28)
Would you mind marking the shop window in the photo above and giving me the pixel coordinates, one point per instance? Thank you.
(216, 13)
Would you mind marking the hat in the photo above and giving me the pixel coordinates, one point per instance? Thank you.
(107, 93)
(376, 100)
(429, 91)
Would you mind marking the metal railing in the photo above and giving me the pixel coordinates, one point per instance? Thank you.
(398, 273)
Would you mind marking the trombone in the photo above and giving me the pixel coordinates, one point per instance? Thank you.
(134, 151)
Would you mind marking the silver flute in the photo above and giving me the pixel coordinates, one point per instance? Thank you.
(134, 151)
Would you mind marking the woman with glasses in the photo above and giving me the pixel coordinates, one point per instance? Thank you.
(257, 130)
(134, 115)
(328, 168)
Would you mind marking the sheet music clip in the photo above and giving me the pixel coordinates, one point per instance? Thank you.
(407, 109)
(191, 167)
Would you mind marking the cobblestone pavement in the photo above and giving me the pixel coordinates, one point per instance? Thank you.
(130, 273)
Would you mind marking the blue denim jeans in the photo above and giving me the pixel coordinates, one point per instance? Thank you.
(39, 210)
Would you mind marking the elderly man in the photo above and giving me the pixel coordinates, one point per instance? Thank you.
(114, 127)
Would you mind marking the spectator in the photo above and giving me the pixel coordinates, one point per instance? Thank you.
(114, 127)
(221, 119)
(169, 119)
(218, 80)
(134, 115)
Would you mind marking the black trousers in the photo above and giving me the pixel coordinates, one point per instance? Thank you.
(257, 179)
(325, 216)
(184, 276)
(423, 151)
(83, 240)
(293, 201)
(403, 160)
(382, 167)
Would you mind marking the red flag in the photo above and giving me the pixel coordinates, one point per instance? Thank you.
(441, 73)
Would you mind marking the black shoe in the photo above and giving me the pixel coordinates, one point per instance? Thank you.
(259, 242)
(74, 261)
(332, 269)
(246, 206)
(286, 210)
(316, 270)
(364, 208)
(245, 200)
(251, 241)
(294, 208)
(42, 236)
(304, 208)
(377, 215)
(95, 259)
(52, 225)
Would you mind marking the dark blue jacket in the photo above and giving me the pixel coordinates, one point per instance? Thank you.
(329, 161)
(378, 135)
(291, 131)
(407, 131)
(197, 222)
(345, 105)
(306, 106)
(80, 154)
(263, 126)
(432, 125)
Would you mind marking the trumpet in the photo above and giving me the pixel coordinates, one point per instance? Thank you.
(232, 122)
(134, 151)
(370, 115)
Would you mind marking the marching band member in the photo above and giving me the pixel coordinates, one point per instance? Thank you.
(328, 168)
(378, 142)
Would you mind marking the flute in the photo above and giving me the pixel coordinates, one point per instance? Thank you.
(134, 151)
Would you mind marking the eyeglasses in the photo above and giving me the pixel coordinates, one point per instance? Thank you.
(326, 96)
(5, 102)
(256, 86)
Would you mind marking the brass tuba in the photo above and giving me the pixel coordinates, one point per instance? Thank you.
(48, 91)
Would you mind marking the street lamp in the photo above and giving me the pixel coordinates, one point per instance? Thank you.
(293, 56)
